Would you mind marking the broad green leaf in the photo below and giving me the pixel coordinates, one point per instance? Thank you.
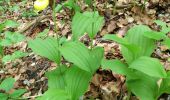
(116, 39)
(116, 66)
(62, 40)
(95, 25)
(89, 2)
(165, 85)
(43, 34)
(131, 49)
(56, 78)
(135, 37)
(145, 87)
(11, 23)
(7, 58)
(12, 38)
(72, 5)
(97, 54)
(3, 96)
(46, 47)
(149, 66)
(165, 29)
(167, 42)
(14, 8)
(14, 56)
(90, 22)
(81, 56)
(7, 84)
(58, 8)
(18, 93)
(161, 23)
(55, 94)
(77, 82)
(77, 53)
(79, 20)
(6, 42)
(154, 35)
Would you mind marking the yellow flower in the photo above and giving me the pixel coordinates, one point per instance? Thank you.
(40, 5)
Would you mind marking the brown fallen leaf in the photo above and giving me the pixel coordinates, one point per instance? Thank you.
(111, 26)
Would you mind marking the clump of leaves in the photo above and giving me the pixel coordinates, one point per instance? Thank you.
(71, 82)
(67, 82)
(29, 13)
(142, 71)
(9, 38)
(14, 56)
(5, 87)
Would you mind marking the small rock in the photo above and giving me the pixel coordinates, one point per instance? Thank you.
(130, 19)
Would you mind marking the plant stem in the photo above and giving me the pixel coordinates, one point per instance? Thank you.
(91, 44)
(55, 30)
(55, 20)
(114, 8)
(144, 5)
(91, 39)
(55, 26)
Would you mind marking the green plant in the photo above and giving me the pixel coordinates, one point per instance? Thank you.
(14, 56)
(5, 87)
(16, 7)
(8, 6)
(90, 23)
(29, 13)
(142, 71)
(9, 38)
(143, 5)
(70, 82)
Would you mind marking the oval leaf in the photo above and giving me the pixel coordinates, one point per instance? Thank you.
(116, 66)
(143, 84)
(81, 56)
(135, 37)
(7, 84)
(149, 66)
(47, 48)
(77, 82)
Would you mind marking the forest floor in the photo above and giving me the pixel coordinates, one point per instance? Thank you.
(119, 17)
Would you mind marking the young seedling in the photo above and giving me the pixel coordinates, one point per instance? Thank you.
(9, 38)
(5, 87)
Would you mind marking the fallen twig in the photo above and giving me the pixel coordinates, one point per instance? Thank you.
(38, 19)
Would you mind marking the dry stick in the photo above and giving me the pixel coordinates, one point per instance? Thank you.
(38, 19)
(29, 97)
(130, 5)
